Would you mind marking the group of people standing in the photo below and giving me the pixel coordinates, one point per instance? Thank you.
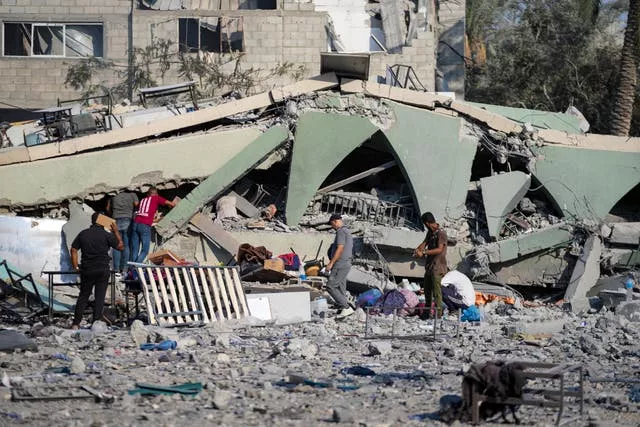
(130, 239)
(134, 219)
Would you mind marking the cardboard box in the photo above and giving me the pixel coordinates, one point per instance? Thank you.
(165, 257)
(275, 264)
(105, 221)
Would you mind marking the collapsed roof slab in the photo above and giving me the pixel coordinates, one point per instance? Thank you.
(585, 183)
(406, 96)
(322, 141)
(500, 194)
(226, 172)
(54, 180)
(159, 127)
(435, 157)
(539, 119)
(509, 249)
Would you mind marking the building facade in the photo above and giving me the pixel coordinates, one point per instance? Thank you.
(276, 40)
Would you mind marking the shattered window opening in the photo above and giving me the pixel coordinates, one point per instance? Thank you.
(219, 35)
(53, 40)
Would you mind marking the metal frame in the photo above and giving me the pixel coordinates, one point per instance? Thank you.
(161, 91)
(51, 284)
(16, 282)
(550, 371)
(190, 289)
(383, 212)
(409, 77)
(426, 337)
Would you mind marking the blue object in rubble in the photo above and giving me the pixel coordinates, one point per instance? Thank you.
(164, 345)
(470, 314)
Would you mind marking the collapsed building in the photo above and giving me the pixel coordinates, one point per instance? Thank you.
(526, 197)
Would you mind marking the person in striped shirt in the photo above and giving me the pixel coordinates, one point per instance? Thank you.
(142, 222)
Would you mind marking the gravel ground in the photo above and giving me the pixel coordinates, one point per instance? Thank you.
(253, 373)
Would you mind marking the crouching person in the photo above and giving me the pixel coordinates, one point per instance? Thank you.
(457, 291)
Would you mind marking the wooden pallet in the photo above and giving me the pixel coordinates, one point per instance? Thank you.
(179, 295)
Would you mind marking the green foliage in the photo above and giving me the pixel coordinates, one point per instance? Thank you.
(149, 65)
(544, 54)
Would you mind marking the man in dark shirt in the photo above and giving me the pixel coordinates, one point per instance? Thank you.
(94, 243)
(121, 208)
(435, 266)
(339, 266)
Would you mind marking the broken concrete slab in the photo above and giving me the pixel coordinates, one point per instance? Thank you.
(424, 142)
(561, 170)
(83, 175)
(494, 121)
(625, 233)
(244, 206)
(215, 233)
(585, 275)
(539, 119)
(405, 96)
(79, 219)
(175, 123)
(509, 249)
(501, 194)
(322, 141)
(228, 172)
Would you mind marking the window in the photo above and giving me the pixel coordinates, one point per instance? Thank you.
(222, 35)
(258, 4)
(53, 39)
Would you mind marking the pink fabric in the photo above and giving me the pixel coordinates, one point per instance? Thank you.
(147, 209)
(411, 301)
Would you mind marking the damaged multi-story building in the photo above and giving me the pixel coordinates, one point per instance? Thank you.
(276, 41)
(380, 135)
(527, 197)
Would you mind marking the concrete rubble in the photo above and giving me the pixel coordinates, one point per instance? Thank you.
(267, 171)
(250, 373)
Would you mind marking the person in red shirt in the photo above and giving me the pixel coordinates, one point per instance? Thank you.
(142, 222)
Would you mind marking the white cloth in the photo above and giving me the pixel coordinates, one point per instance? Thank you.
(463, 286)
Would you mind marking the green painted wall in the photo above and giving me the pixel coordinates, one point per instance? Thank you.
(586, 184)
(434, 157)
(321, 142)
(232, 170)
(57, 179)
(539, 119)
(509, 249)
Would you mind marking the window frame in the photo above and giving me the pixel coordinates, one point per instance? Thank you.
(64, 38)
(219, 27)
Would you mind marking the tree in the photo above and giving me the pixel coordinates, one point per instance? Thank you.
(549, 55)
(626, 93)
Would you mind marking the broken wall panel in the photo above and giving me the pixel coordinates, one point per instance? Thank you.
(322, 141)
(500, 195)
(227, 172)
(539, 119)
(435, 158)
(558, 235)
(54, 180)
(586, 184)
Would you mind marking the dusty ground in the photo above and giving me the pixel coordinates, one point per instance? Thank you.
(242, 368)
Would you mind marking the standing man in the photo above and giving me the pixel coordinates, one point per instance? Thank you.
(94, 242)
(141, 232)
(339, 266)
(435, 266)
(121, 208)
